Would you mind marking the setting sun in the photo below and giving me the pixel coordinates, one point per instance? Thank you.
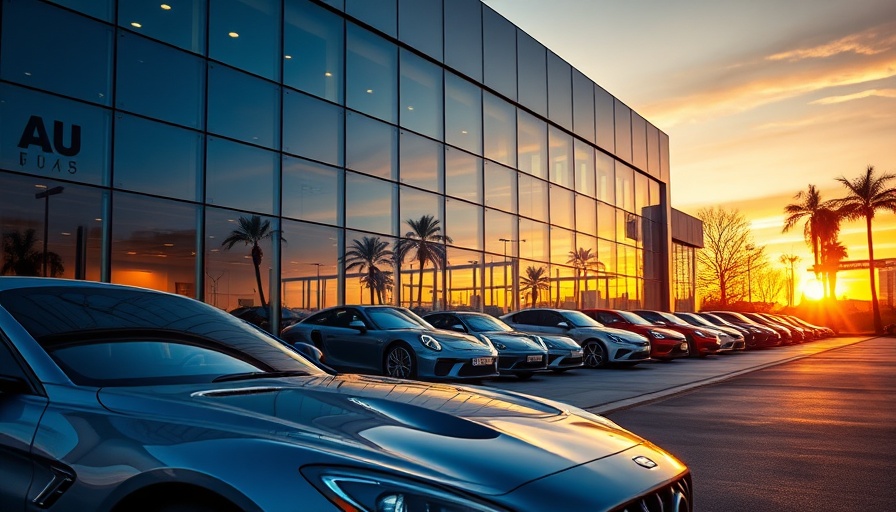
(813, 289)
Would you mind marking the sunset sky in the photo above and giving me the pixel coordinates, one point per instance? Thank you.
(759, 99)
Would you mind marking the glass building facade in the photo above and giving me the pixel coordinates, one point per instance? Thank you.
(426, 153)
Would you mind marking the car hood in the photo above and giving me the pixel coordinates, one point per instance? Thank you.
(429, 430)
(622, 333)
(515, 340)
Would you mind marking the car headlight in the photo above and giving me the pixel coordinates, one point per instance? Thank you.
(540, 341)
(430, 342)
(367, 491)
(703, 334)
(497, 344)
(657, 335)
(616, 339)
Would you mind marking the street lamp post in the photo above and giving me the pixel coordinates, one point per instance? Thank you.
(45, 195)
(473, 299)
(749, 248)
(505, 240)
(318, 265)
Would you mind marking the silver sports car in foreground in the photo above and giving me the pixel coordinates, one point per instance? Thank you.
(122, 399)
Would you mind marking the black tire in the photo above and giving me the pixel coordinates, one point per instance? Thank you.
(595, 355)
(400, 362)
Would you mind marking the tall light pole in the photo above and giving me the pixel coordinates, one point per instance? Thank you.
(45, 195)
(505, 240)
(318, 283)
(749, 248)
(473, 299)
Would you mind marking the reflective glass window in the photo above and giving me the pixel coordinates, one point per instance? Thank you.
(311, 191)
(560, 153)
(379, 14)
(231, 277)
(313, 50)
(586, 215)
(241, 176)
(664, 157)
(653, 150)
(563, 207)
(499, 52)
(532, 145)
(359, 287)
(49, 136)
(65, 53)
(642, 193)
(313, 128)
(420, 25)
(463, 37)
(499, 121)
(500, 225)
(606, 254)
(414, 204)
(311, 268)
(559, 91)
(180, 23)
(532, 69)
(421, 96)
(606, 178)
(536, 235)
(585, 175)
(371, 147)
(421, 163)
(623, 131)
(243, 107)
(533, 198)
(465, 280)
(625, 187)
(158, 81)
(563, 242)
(604, 119)
(368, 203)
(500, 187)
(463, 175)
(140, 166)
(371, 74)
(246, 35)
(655, 195)
(463, 223)
(154, 243)
(101, 9)
(606, 221)
(74, 224)
(639, 141)
(463, 114)
(583, 105)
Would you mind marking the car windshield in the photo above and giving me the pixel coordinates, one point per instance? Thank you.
(633, 318)
(128, 337)
(699, 320)
(672, 319)
(579, 319)
(485, 323)
(396, 318)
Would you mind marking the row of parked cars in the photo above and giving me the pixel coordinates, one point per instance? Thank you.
(455, 345)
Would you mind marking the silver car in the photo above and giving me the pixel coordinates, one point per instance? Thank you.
(601, 345)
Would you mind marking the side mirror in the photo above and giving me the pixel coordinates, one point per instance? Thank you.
(310, 351)
(359, 325)
(563, 325)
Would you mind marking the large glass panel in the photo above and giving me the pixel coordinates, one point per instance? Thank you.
(421, 95)
(65, 53)
(415, 204)
(232, 280)
(313, 50)
(421, 162)
(463, 223)
(532, 145)
(560, 152)
(586, 215)
(606, 254)
(154, 243)
(158, 81)
(243, 107)
(500, 187)
(502, 240)
(498, 226)
(606, 221)
(625, 187)
(532, 69)
(563, 243)
(606, 178)
(369, 269)
(639, 141)
(623, 130)
(51, 137)
(313, 128)
(533, 201)
(420, 25)
(101, 9)
(499, 52)
(499, 121)
(143, 168)
(371, 74)
(655, 195)
(465, 280)
(563, 207)
(368, 203)
(642, 194)
(585, 175)
(664, 157)
(463, 114)
(559, 91)
(653, 150)
(241, 176)
(310, 268)
(536, 235)
(246, 35)
(463, 175)
(463, 37)
(371, 147)
(589, 272)
(74, 222)
(311, 191)
(605, 119)
(583, 105)
(380, 14)
(180, 23)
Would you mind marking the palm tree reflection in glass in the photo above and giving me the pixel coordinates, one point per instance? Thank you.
(427, 242)
(250, 232)
(366, 255)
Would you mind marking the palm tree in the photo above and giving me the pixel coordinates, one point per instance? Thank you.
(581, 260)
(535, 281)
(20, 258)
(790, 259)
(366, 255)
(428, 243)
(866, 195)
(833, 252)
(250, 232)
(808, 209)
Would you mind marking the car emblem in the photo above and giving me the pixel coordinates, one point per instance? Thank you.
(644, 462)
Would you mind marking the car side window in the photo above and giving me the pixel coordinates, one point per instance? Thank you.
(526, 317)
(9, 365)
(437, 321)
(552, 318)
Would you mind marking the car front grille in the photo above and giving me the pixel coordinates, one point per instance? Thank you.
(675, 497)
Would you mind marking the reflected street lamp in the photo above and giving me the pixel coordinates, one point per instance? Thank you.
(318, 265)
(45, 195)
(474, 299)
(505, 240)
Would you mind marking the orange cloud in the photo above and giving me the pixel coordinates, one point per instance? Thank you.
(871, 42)
(882, 93)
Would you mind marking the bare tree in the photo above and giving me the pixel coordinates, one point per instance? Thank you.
(768, 284)
(728, 256)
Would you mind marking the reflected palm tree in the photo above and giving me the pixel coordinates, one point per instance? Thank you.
(427, 242)
(581, 260)
(866, 195)
(250, 232)
(366, 255)
(20, 258)
(534, 281)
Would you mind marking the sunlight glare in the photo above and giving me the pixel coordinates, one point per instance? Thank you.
(813, 289)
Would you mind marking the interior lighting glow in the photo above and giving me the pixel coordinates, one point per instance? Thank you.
(165, 7)
(233, 35)
(369, 91)
(328, 74)
(287, 57)
(136, 25)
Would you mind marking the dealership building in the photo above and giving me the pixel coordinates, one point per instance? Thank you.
(426, 153)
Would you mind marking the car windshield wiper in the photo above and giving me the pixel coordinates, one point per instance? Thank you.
(259, 375)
